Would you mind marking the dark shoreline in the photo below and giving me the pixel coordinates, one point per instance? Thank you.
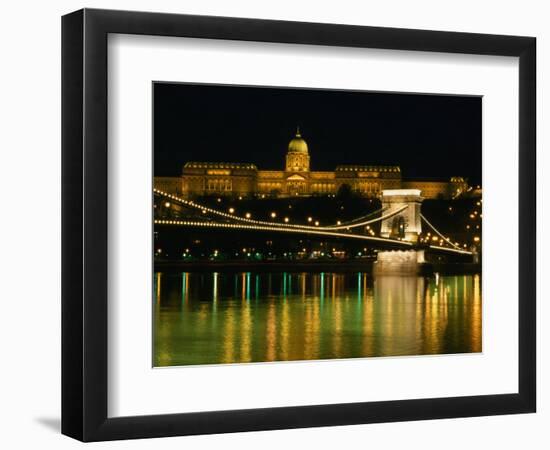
(299, 266)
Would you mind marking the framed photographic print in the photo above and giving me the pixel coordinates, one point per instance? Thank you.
(273, 224)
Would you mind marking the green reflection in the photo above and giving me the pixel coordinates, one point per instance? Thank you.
(328, 315)
(359, 286)
(322, 288)
(184, 287)
(214, 291)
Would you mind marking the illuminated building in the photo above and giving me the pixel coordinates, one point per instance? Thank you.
(297, 179)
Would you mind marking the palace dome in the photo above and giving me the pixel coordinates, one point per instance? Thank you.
(297, 144)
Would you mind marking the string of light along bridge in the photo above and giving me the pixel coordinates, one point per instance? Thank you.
(245, 223)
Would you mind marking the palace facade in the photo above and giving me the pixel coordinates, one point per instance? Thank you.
(245, 179)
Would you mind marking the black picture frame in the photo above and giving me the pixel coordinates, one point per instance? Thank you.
(84, 224)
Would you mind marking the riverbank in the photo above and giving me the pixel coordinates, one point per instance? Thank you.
(352, 265)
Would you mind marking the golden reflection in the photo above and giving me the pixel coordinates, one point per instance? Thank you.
(215, 289)
(203, 314)
(476, 338)
(389, 287)
(419, 313)
(430, 325)
(285, 331)
(246, 330)
(229, 338)
(185, 287)
(398, 300)
(426, 319)
(384, 316)
(158, 277)
(337, 327)
(456, 287)
(164, 359)
(315, 332)
(271, 332)
(368, 327)
(308, 331)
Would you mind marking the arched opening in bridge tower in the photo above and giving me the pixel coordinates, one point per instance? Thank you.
(398, 227)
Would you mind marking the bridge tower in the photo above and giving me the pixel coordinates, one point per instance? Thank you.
(405, 225)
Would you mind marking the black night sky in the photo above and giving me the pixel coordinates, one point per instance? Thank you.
(429, 136)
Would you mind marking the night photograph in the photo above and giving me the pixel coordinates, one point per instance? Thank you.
(310, 224)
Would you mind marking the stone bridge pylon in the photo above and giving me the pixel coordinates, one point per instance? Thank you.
(407, 224)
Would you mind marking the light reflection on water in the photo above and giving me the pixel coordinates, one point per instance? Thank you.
(222, 317)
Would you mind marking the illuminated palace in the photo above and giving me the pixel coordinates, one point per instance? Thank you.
(244, 179)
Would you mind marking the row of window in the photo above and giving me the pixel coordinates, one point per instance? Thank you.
(368, 188)
(226, 185)
(217, 185)
(322, 187)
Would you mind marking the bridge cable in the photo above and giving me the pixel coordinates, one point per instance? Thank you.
(315, 231)
(351, 223)
(275, 224)
(368, 222)
(440, 235)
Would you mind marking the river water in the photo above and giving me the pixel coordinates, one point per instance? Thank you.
(229, 317)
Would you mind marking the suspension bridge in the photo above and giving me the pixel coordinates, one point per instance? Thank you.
(400, 221)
